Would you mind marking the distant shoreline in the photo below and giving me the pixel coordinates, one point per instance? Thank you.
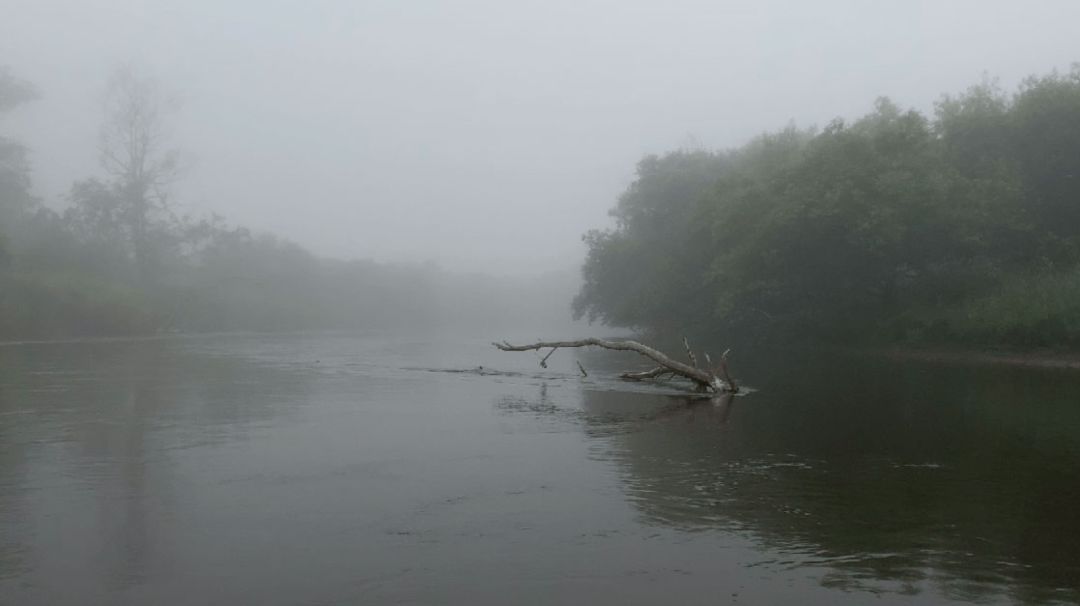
(161, 336)
(1039, 358)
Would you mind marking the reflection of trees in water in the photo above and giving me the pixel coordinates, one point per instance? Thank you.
(13, 535)
(889, 476)
(100, 420)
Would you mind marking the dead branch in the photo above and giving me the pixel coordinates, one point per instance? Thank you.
(725, 375)
(543, 363)
(689, 352)
(704, 378)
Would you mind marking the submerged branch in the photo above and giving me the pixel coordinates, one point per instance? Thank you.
(655, 373)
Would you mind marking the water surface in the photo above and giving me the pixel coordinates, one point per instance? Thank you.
(361, 469)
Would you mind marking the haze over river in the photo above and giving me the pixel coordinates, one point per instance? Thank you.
(337, 469)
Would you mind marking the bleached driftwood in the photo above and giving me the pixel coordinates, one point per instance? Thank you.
(714, 379)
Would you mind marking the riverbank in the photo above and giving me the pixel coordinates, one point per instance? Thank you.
(1041, 358)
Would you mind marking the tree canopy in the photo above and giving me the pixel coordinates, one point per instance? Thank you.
(895, 225)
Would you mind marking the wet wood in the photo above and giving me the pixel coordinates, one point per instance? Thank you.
(707, 379)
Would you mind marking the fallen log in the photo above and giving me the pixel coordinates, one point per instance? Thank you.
(707, 379)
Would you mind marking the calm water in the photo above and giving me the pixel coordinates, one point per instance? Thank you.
(310, 470)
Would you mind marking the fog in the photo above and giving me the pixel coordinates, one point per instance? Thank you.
(619, 302)
(481, 135)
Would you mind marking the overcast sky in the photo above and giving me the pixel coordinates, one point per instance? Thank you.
(484, 134)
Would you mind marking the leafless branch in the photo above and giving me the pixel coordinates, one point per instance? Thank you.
(703, 378)
(543, 363)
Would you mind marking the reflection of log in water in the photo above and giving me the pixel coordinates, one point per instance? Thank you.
(716, 409)
(602, 407)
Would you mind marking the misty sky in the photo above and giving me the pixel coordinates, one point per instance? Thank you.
(485, 134)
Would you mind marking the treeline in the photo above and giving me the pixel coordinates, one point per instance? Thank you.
(118, 260)
(963, 226)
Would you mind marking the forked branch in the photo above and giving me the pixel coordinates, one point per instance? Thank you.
(705, 378)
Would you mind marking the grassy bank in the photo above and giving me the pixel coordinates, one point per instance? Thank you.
(1022, 312)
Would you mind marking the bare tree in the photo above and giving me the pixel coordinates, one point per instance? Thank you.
(135, 153)
(15, 197)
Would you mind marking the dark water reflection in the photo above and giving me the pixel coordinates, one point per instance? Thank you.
(335, 469)
(893, 476)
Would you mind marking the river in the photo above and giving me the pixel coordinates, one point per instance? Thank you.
(364, 469)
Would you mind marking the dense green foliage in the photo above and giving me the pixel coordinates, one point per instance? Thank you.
(964, 226)
(120, 261)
